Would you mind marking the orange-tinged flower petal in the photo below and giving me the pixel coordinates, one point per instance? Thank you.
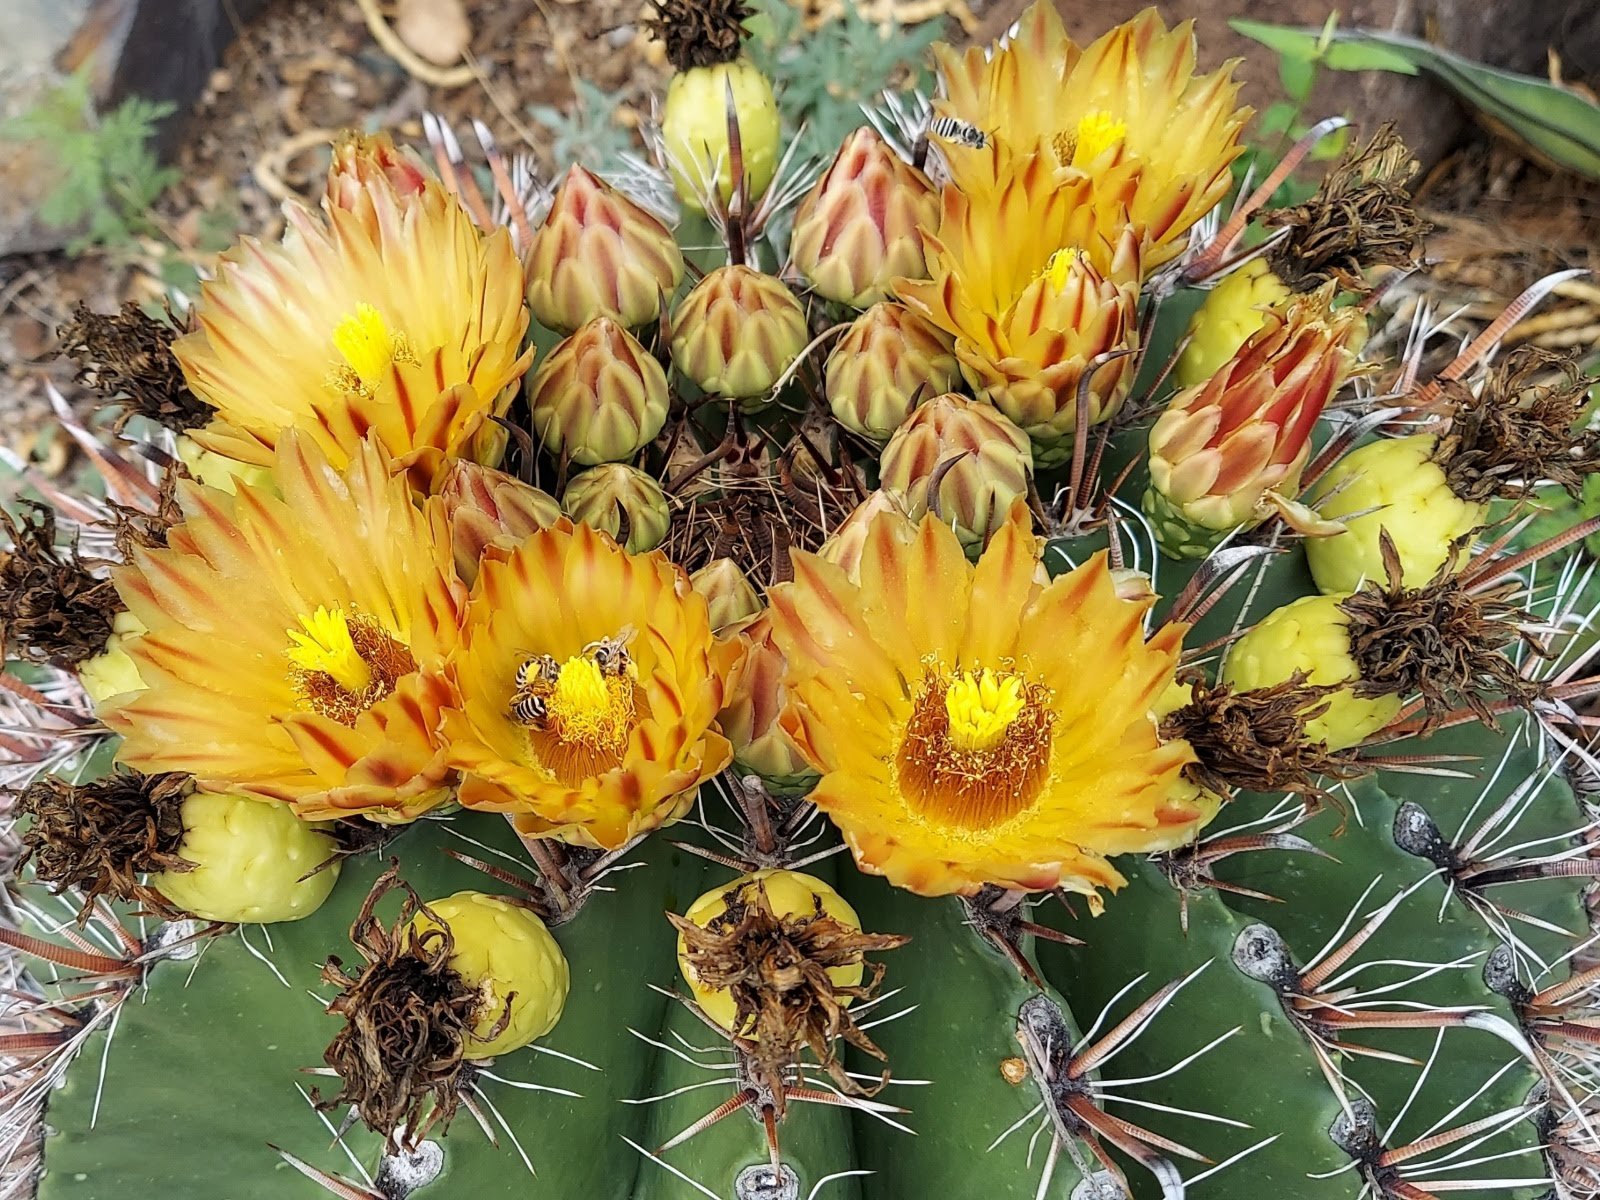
(600, 763)
(389, 314)
(1001, 733)
(230, 696)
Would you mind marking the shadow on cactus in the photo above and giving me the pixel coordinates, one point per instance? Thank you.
(977, 547)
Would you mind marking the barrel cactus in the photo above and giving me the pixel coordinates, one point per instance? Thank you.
(774, 830)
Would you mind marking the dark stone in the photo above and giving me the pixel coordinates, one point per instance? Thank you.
(170, 51)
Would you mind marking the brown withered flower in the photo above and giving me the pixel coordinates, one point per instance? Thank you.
(1519, 428)
(53, 607)
(776, 968)
(401, 1056)
(146, 528)
(1255, 740)
(699, 33)
(126, 357)
(1360, 216)
(1440, 641)
(99, 837)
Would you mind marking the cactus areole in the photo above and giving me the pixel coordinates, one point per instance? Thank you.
(807, 698)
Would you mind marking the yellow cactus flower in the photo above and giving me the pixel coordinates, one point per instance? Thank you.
(1128, 111)
(973, 724)
(589, 684)
(389, 314)
(296, 640)
(1033, 291)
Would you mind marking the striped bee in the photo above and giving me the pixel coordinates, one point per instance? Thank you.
(611, 654)
(962, 133)
(527, 704)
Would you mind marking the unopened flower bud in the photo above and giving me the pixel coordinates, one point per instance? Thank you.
(888, 360)
(598, 254)
(488, 508)
(599, 397)
(728, 592)
(737, 332)
(621, 501)
(979, 460)
(860, 226)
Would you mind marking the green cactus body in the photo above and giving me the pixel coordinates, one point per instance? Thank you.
(1398, 487)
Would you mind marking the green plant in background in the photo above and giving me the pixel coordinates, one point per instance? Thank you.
(831, 72)
(1556, 124)
(588, 129)
(1283, 122)
(109, 177)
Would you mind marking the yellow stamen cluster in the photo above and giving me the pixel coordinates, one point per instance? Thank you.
(586, 705)
(367, 346)
(1096, 133)
(1058, 271)
(981, 707)
(976, 749)
(323, 644)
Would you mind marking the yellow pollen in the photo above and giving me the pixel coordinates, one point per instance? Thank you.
(981, 707)
(586, 705)
(323, 643)
(1098, 131)
(365, 343)
(1059, 269)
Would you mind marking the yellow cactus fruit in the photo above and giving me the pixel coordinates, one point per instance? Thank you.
(1408, 495)
(506, 952)
(694, 131)
(791, 894)
(113, 671)
(252, 859)
(1230, 313)
(1311, 635)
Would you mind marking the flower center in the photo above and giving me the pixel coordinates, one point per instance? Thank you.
(579, 712)
(980, 709)
(367, 346)
(976, 750)
(342, 665)
(1058, 271)
(323, 643)
(1096, 133)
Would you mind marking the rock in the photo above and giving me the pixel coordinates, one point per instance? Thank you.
(161, 49)
(438, 30)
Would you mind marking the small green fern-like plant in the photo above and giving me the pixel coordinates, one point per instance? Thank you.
(109, 178)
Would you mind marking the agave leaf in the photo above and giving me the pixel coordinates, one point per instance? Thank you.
(1558, 125)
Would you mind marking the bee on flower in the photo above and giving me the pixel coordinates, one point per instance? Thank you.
(588, 686)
